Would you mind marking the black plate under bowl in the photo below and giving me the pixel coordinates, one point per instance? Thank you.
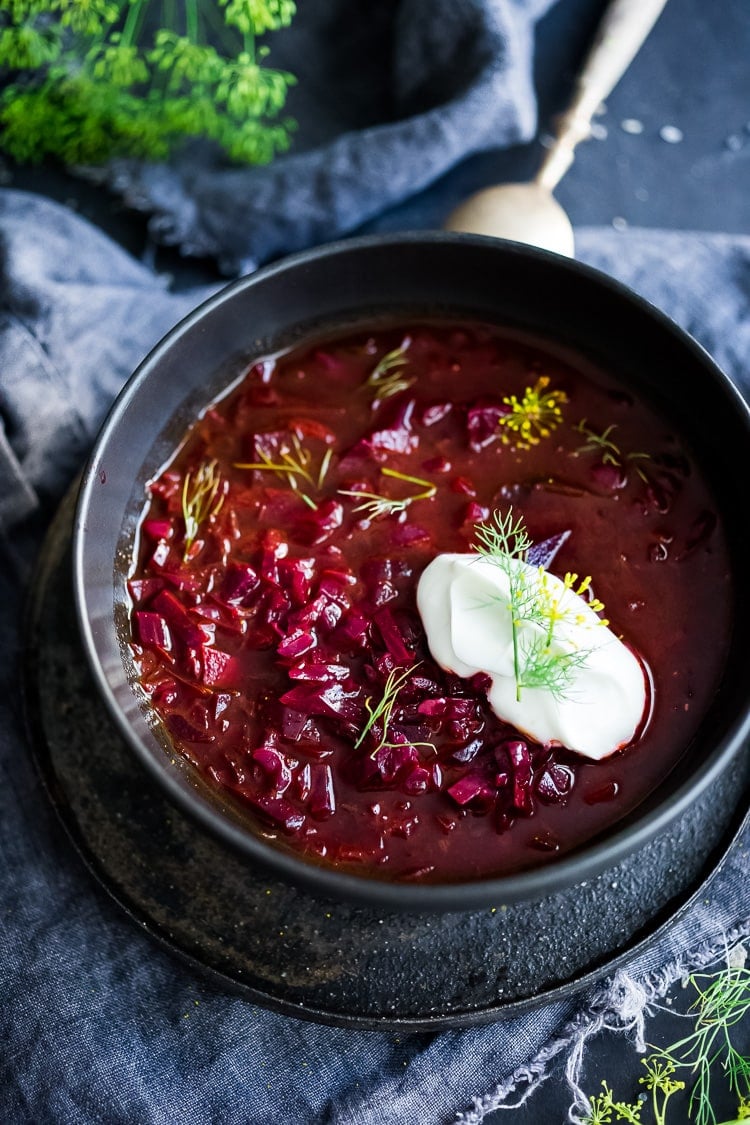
(297, 951)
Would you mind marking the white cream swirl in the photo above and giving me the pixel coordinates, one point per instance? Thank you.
(464, 602)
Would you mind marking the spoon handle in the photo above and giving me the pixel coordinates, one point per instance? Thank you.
(624, 27)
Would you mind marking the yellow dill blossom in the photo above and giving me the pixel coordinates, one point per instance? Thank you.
(534, 416)
(569, 581)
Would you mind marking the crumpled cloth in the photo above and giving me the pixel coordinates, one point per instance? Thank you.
(99, 1024)
(385, 104)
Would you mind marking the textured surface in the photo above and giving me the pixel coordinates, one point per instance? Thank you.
(294, 951)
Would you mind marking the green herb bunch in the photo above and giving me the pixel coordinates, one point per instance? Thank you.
(87, 80)
(722, 1004)
(504, 541)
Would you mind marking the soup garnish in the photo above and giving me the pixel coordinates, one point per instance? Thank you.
(368, 600)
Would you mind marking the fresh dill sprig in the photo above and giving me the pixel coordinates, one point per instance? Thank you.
(387, 377)
(723, 1003)
(200, 501)
(92, 79)
(375, 505)
(532, 598)
(383, 710)
(293, 462)
(611, 454)
(532, 417)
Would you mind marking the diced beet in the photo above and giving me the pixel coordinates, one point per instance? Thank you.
(221, 701)
(188, 579)
(240, 580)
(408, 534)
(434, 707)
(158, 529)
(141, 589)
(219, 669)
(165, 694)
(151, 630)
(480, 683)
(543, 554)
(354, 629)
(328, 699)
(277, 773)
(322, 801)
(304, 428)
(397, 436)
(555, 784)
(463, 486)
(296, 643)
(520, 758)
(405, 827)
(470, 787)
(279, 506)
(180, 727)
(319, 672)
(468, 752)
(278, 810)
(417, 780)
(394, 760)
(273, 609)
(178, 619)
(274, 548)
(296, 577)
(303, 781)
(168, 485)
(335, 586)
(483, 422)
(435, 412)
(437, 465)
(452, 710)
(161, 555)
(321, 613)
(314, 526)
(476, 513)
(610, 477)
(392, 635)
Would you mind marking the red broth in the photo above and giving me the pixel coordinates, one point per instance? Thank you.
(269, 612)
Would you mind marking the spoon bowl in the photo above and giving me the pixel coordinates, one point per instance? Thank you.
(520, 212)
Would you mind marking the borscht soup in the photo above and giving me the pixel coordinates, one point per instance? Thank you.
(429, 601)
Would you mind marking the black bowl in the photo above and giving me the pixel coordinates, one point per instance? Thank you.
(345, 285)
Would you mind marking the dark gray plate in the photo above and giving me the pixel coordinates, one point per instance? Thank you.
(309, 956)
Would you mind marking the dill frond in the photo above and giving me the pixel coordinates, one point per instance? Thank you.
(200, 501)
(387, 377)
(374, 504)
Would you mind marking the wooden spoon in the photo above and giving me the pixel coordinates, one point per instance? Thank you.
(529, 212)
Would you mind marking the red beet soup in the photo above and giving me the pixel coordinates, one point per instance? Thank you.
(275, 626)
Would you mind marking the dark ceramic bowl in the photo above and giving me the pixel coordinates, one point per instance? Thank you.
(355, 282)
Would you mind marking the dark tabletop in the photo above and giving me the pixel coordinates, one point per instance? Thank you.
(672, 150)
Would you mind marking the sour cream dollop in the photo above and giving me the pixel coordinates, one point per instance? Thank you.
(464, 604)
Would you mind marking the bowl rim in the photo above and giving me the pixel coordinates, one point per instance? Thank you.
(578, 865)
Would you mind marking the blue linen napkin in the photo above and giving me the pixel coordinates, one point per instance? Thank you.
(385, 105)
(96, 1022)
